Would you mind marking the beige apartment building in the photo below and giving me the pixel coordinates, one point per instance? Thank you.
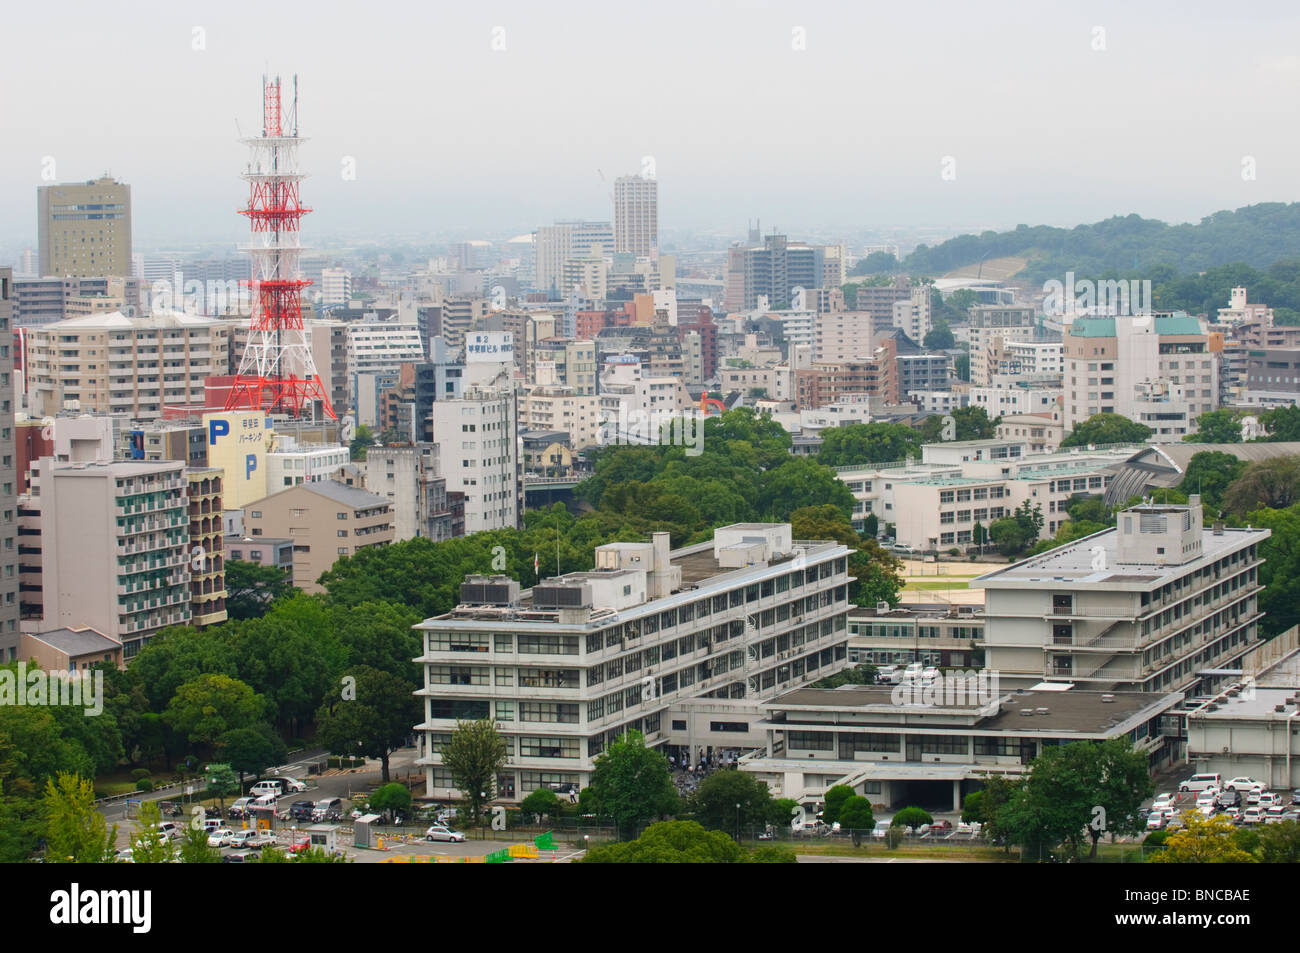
(207, 559)
(559, 408)
(85, 228)
(110, 363)
(10, 544)
(114, 547)
(1158, 370)
(325, 520)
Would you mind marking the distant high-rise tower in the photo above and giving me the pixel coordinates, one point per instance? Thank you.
(277, 373)
(84, 229)
(636, 216)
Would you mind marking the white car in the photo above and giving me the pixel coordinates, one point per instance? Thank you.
(1207, 796)
(1253, 815)
(1244, 784)
(250, 840)
(1163, 802)
(1158, 819)
(293, 786)
(1254, 796)
(1268, 799)
(440, 832)
(219, 836)
(169, 830)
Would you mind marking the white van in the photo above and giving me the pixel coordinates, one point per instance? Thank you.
(1200, 782)
(889, 675)
(263, 788)
(330, 807)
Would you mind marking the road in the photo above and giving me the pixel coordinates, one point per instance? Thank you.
(341, 785)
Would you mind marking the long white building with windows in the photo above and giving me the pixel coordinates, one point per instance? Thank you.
(1157, 604)
(680, 645)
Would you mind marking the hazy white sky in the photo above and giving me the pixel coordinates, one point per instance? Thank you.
(451, 135)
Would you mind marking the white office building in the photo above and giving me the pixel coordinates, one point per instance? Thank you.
(681, 646)
(477, 438)
(1158, 603)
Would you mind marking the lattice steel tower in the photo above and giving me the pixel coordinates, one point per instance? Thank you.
(276, 373)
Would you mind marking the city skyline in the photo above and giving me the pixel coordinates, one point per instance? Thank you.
(1065, 105)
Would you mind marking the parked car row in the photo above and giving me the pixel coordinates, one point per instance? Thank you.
(1245, 800)
(914, 674)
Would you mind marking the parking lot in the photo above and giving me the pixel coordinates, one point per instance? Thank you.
(1246, 801)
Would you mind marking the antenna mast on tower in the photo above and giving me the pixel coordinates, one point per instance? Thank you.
(276, 373)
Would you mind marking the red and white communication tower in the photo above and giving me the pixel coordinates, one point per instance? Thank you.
(277, 373)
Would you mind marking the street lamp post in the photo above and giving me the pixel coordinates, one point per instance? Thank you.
(737, 822)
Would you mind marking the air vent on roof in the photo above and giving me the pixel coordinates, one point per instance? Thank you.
(1234, 692)
(1043, 711)
(1027, 712)
(560, 597)
(489, 591)
(1107, 699)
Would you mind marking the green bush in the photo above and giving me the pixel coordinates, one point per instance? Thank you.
(772, 854)
(139, 773)
(912, 817)
(1156, 839)
(144, 784)
(893, 837)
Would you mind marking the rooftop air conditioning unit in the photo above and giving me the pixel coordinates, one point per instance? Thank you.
(1107, 699)
(882, 606)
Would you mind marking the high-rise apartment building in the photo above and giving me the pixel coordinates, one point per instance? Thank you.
(989, 322)
(85, 228)
(1156, 369)
(636, 216)
(477, 437)
(115, 547)
(774, 270)
(408, 476)
(207, 555)
(109, 363)
(9, 542)
(335, 287)
(555, 244)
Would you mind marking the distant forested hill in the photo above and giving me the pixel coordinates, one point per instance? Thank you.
(1257, 235)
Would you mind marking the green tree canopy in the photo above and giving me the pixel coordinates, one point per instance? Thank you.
(474, 755)
(251, 750)
(671, 842)
(75, 831)
(372, 715)
(1216, 426)
(207, 707)
(1273, 484)
(1106, 429)
(633, 783)
(858, 444)
(542, 801)
(251, 588)
(718, 795)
